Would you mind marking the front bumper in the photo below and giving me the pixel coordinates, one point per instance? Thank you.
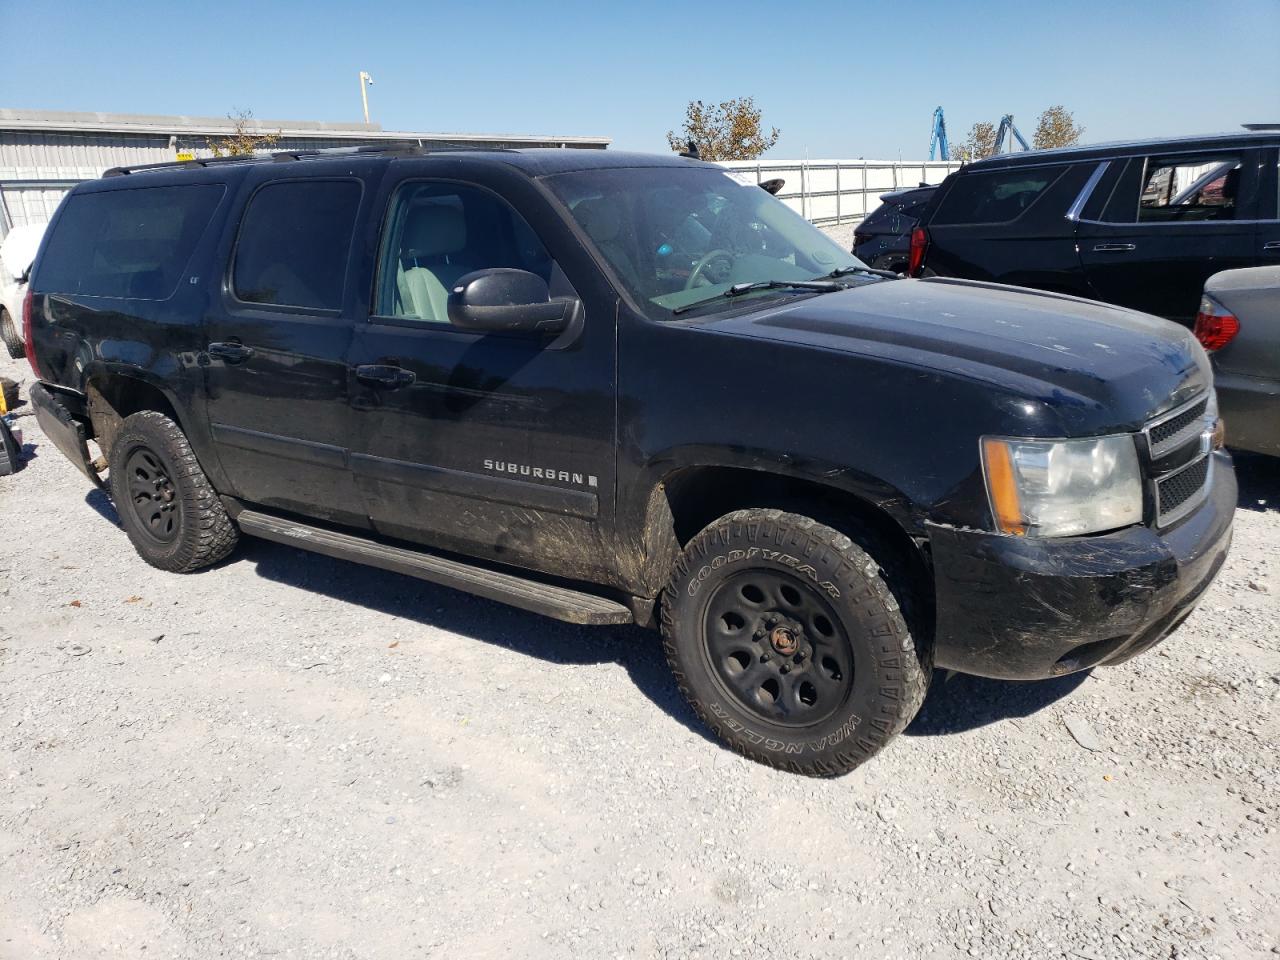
(1025, 608)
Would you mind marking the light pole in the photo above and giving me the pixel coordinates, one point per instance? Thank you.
(364, 97)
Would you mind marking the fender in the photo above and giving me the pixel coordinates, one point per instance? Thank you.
(169, 376)
(646, 527)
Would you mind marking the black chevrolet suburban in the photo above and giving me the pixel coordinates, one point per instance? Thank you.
(1141, 225)
(618, 389)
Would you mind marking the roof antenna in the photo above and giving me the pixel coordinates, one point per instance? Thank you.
(691, 152)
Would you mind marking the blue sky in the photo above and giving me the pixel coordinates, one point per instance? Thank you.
(848, 80)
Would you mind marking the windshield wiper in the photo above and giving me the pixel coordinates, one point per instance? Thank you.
(738, 289)
(870, 271)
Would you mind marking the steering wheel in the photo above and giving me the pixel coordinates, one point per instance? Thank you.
(696, 273)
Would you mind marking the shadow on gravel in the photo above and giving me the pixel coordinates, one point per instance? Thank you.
(102, 506)
(964, 703)
(1259, 480)
(637, 651)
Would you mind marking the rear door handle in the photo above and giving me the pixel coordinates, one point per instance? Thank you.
(384, 376)
(1271, 245)
(231, 351)
(1114, 247)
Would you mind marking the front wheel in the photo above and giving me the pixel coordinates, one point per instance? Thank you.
(787, 639)
(172, 515)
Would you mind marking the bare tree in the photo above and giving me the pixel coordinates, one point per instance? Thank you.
(1056, 128)
(730, 130)
(242, 141)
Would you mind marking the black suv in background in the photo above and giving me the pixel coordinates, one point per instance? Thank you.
(883, 240)
(1140, 225)
(615, 389)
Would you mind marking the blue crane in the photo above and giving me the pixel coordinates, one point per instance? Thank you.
(939, 138)
(1009, 130)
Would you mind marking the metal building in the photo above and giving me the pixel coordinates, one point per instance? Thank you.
(43, 153)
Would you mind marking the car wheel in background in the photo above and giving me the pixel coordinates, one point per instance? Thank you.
(9, 334)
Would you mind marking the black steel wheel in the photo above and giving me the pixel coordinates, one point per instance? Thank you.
(152, 496)
(791, 641)
(776, 644)
(167, 507)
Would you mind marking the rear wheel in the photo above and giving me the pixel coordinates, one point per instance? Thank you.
(9, 334)
(786, 637)
(172, 515)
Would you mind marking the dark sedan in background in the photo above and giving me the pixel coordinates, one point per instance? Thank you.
(883, 240)
(1239, 324)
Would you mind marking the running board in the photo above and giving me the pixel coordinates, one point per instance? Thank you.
(561, 603)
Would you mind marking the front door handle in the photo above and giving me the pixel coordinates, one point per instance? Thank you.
(384, 376)
(1271, 245)
(1114, 247)
(230, 351)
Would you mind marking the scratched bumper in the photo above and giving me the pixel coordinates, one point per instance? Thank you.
(62, 417)
(1026, 608)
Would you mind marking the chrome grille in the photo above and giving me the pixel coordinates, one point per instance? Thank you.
(1181, 463)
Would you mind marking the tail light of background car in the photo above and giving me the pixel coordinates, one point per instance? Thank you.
(28, 308)
(919, 244)
(860, 237)
(1216, 326)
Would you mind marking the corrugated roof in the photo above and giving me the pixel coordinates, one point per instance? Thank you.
(49, 121)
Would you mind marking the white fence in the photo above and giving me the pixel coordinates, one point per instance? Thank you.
(836, 191)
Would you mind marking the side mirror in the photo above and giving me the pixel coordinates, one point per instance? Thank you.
(506, 300)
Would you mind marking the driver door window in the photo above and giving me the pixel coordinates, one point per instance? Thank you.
(439, 232)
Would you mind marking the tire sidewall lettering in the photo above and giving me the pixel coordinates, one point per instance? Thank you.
(719, 561)
(842, 733)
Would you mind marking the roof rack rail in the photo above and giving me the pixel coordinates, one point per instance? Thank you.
(398, 147)
(402, 148)
(178, 164)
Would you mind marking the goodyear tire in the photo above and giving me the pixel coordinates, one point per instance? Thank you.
(787, 639)
(167, 507)
(9, 334)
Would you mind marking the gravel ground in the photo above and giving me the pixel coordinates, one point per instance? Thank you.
(842, 234)
(291, 756)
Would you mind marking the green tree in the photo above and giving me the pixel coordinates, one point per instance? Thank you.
(730, 130)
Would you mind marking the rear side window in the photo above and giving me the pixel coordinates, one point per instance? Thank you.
(128, 244)
(897, 216)
(293, 243)
(912, 209)
(1196, 188)
(994, 197)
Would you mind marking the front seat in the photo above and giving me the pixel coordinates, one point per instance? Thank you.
(431, 246)
(602, 221)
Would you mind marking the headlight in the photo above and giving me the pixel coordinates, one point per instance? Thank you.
(1061, 488)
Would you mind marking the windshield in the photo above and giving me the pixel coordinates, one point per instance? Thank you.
(674, 236)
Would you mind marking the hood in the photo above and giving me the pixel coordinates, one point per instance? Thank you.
(1114, 367)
